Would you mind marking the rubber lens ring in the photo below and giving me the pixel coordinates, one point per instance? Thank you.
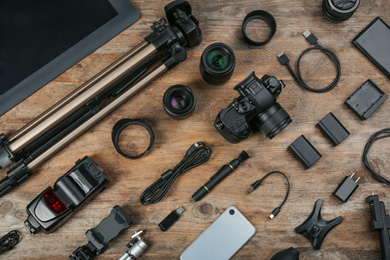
(262, 15)
(121, 125)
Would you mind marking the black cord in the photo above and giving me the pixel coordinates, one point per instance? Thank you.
(313, 40)
(255, 185)
(9, 241)
(198, 154)
(377, 136)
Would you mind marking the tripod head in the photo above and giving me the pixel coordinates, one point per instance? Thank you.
(183, 29)
(179, 14)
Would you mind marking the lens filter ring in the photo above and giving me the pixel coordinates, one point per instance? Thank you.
(124, 123)
(261, 15)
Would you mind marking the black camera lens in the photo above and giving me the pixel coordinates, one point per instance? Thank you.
(273, 121)
(179, 102)
(339, 10)
(231, 212)
(217, 63)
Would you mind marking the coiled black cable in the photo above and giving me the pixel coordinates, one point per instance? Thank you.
(376, 136)
(9, 241)
(313, 40)
(197, 154)
(256, 184)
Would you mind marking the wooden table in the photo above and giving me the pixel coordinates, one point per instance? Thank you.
(221, 22)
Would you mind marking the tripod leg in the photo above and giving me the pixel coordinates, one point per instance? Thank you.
(80, 97)
(22, 171)
(66, 99)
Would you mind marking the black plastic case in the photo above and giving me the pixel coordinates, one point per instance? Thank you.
(374, 42)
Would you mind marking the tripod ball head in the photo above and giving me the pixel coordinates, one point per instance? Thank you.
(179, 14)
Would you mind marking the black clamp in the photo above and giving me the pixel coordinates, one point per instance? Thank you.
(315, 228)
(381, 223)
(262, 15)
(101, 236)
(121, 125)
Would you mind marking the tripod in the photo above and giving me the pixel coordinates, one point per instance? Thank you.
(39, 140)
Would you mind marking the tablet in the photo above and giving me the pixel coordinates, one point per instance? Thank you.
(40, 39)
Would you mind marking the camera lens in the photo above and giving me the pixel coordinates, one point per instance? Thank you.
(273, 121)
(217, 63)
(231, 212)
(218, 60)
(179, 102)
(339, 10)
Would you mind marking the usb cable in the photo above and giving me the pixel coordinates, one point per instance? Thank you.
(257, 183)
(313, 40)
(197, 154)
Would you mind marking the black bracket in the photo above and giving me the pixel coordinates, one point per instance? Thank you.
(380, 223)
(100, 236)
(315, 228)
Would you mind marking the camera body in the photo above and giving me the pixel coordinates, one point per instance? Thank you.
(255, 109)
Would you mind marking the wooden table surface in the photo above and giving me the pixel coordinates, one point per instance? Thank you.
(221, 22)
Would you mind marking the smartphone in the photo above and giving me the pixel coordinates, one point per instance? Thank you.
(222, 239)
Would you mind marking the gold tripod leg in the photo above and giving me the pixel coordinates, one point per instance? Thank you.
(80, 97)
(146, 80)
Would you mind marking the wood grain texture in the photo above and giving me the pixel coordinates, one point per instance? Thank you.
(221, 21)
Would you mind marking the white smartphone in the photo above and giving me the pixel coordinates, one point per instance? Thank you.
(222, 239)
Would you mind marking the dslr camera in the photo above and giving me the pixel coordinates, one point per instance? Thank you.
(255, 109)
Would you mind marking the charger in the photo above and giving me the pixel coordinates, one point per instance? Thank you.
(346, 188)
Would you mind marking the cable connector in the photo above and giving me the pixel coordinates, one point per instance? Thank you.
(310, 37)
(283, 58)
(193, 148)
(274, 213)
(254, 186)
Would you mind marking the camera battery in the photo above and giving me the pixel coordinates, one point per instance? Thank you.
(331, 127)
(305, 152)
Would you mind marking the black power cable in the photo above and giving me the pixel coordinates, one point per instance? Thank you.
(256, 184)
(376, 136)
(197, 154)
(313, 40)
(9, 241)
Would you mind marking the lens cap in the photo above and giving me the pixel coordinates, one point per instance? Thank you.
(179, 102)
(217, 63)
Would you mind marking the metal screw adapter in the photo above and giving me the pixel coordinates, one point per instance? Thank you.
(136, 247)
